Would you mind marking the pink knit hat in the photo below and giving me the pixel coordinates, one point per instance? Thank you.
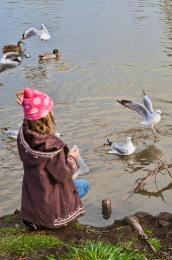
(36, 104)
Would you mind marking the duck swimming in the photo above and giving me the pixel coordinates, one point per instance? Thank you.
(14, 48)
(10, 60)
(49, 56)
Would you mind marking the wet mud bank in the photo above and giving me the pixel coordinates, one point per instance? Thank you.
(149, 234)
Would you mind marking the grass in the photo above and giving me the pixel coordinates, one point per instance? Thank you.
(8, 219)
(22, 244)
(79, 226)
(156, 243)
(51, 257)
(98, 250)
(12, 230)
(148, 231)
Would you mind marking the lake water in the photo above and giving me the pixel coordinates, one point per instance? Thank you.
(110, 49)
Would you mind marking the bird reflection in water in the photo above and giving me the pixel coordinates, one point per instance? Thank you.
(35, 73)
(139, 160)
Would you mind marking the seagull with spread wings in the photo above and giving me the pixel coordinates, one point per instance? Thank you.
(151, 117)
(42, 33)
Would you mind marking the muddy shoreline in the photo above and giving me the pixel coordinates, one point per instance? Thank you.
(157, 227)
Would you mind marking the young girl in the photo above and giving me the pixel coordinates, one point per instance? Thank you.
(50, 197)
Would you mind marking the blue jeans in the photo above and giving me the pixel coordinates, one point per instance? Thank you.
(82, 187)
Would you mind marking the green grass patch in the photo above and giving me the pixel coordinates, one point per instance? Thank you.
(12, 230)
(98, 250)
(156, 243)
(51, 258)
(79, 226)
(23, 244)
(148, 231)
(8, 219)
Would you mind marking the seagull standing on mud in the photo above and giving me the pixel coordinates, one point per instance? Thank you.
(42, 33)
(151, 117)
(122, 148)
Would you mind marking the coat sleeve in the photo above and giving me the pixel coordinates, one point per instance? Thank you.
(62, 167)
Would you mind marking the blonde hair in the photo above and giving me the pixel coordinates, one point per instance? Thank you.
(44, 125)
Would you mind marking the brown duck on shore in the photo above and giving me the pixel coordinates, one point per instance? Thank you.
(14, 48)
(49, 56)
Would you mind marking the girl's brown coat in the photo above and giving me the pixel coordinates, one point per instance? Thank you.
(49, 195)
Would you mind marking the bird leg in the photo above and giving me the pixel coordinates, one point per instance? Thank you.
(156, 130)
(154, 134)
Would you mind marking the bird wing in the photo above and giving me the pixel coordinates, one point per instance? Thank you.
(119, 148)
(30, 32)
(147, 102)
(44, 28)
(2, 67)
(139, 108)
(7, 64)
(11, 55)
(43, 33)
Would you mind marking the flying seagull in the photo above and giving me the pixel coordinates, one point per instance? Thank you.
(151, 117)
(122, 148)
(42, 33)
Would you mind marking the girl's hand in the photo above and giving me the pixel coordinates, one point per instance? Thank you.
(19, 96)
(74, 153)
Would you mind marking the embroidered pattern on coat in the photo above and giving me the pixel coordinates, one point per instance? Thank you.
(72, 161)
(73, 215)
(36, 153)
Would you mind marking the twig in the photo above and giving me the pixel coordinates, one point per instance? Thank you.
(165, 166)
(141, 181)
(135, 223)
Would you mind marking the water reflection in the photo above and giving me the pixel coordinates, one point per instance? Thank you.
(35, 73)
(148, 155)
(83, 87)
(139, 160)
(167, 19)
(158, 193)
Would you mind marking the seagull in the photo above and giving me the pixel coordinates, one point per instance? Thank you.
(42, 33)
(122, 148)
(151, 117)
(11, 133)
(9, 60)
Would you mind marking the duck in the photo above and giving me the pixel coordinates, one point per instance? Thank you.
(49, 56)
(42, 33)
(18, 48)
(10, 60)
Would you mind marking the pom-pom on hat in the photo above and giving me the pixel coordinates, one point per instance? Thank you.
(36, 104)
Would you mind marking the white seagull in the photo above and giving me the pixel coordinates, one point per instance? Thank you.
(10, 60)
(42, 33)
(151, 117)
(122, 148)
(11, 133)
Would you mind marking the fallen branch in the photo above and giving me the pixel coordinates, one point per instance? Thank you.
(135, 223)
(165, 166)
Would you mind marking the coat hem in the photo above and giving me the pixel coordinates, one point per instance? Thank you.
(72, 216)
